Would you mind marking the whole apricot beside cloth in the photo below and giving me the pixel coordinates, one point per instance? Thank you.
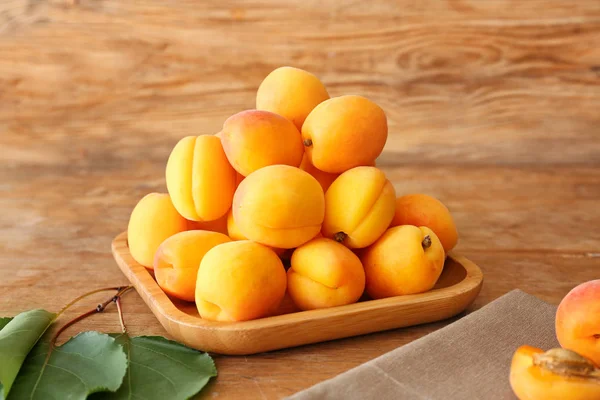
(578, 320)
(405, 260)
(557, 374)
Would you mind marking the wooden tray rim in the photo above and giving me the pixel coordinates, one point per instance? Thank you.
(164, 305)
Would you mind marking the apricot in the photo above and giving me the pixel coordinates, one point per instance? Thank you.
(424, 210)
(239, 281)
(152, 220)
(325, 273)
(279, 206)
(292, 93)
(359, 206)
(344, 132)
(578, 320)
(324, 178)
(557, 374)
(405, 260)
(199, 178)
(218, 225)
(232, 229)
(177, 260)
(254, 139)
(287, 306)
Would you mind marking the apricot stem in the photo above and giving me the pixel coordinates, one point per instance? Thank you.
(340, 237)
(566, 363)
(426, 243)
(307, 142)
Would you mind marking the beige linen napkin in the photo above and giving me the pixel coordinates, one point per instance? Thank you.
(469, 359)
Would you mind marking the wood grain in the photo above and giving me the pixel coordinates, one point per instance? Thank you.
(493, 107)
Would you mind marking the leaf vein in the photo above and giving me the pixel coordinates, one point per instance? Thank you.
(157, 371)
(164, 355)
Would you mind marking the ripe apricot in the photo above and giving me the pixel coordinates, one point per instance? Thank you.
(287, 306)
(232, 229)
(152, 220)
(218, 225)
(557, 374)
(359, 206)
(279, 206)
(292, 93)
(177, 260)
(324, 178)
(424, 210)
(344, 132)
(405, 260)
(239, 281)
(254, 139)
(235, 234)
(325, 273)
(578, 320)
(199, 178)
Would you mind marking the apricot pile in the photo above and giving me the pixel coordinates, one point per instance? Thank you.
(284, 210)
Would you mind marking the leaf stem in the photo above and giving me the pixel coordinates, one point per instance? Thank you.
(98, 309)
(83, 296)
(121, 319)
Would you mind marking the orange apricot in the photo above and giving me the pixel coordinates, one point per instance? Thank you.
(235, 234)
(324, 178)
(279, 206)
(152, 220)
(359, 206)
(232, 229)
(405, 260)
(292, 93)
(254, 139)
(325, 273)
(239, 281)
(424, 210)
(287, 306)
(578, 320)
(199, 178)
(178, 258)
(218, 225)
(557, 374)
(344, 132)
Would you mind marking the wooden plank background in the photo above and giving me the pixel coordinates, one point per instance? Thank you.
(494, 107)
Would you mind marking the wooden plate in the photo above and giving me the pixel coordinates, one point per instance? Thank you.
(456, 289)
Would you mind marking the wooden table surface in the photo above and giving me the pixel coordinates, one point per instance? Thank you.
(493, 106)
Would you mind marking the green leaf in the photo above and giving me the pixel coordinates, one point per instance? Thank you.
(88, 363)
(17, 338)
(161, 369)
(4, 321)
